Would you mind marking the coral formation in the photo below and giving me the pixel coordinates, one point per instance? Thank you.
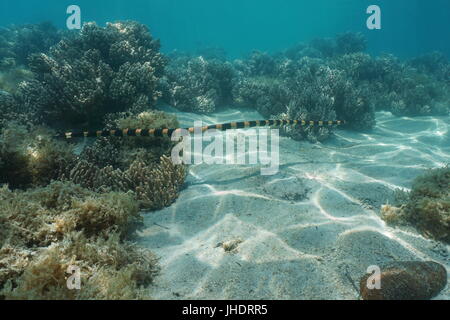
(307, 89)
(9, 110)
(396, 86)
(33, 158)
(133, 164)
(197, 84)
(335, 78)
(427, 206)
(350, 42)
(17, 43)
(268, 95)
(144, 120)
(312, 99)
(10, 79)
(326, 92)
(326, 79)
(435, 63)
(304, 83)
(258, 64)
(98, 71)
(102, 70)
(155, 185)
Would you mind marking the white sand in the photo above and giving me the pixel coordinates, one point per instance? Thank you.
(308, 232)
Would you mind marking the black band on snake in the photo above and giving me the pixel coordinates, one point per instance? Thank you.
(168, 132)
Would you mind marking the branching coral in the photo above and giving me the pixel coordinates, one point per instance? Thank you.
(34, 158)
(352, 103)
(18, 42)
(258, 64)
(145, 120)
(197, 84)
(395, 86)
(7, 108)
(306, 82)
(350, 42)
(163, 188)
(156, 185)
(137, 164)
(12, 111)
(333, 78)
(312, 99)
(307, 89)
(267, 95)
(435, 63)
(427, 206)
(292, 84)
(97, 71)
(418, 95)
(344, 43)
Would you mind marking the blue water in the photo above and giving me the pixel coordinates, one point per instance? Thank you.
(409, 27)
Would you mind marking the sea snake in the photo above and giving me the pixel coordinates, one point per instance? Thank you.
(168, 132)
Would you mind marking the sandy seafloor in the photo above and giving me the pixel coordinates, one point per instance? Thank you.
(308, 232)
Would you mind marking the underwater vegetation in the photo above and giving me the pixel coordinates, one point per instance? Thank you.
(427, 206)
(45, 230)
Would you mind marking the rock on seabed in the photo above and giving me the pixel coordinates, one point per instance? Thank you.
(407, 280)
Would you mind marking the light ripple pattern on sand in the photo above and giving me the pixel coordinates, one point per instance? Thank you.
(307, 232)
